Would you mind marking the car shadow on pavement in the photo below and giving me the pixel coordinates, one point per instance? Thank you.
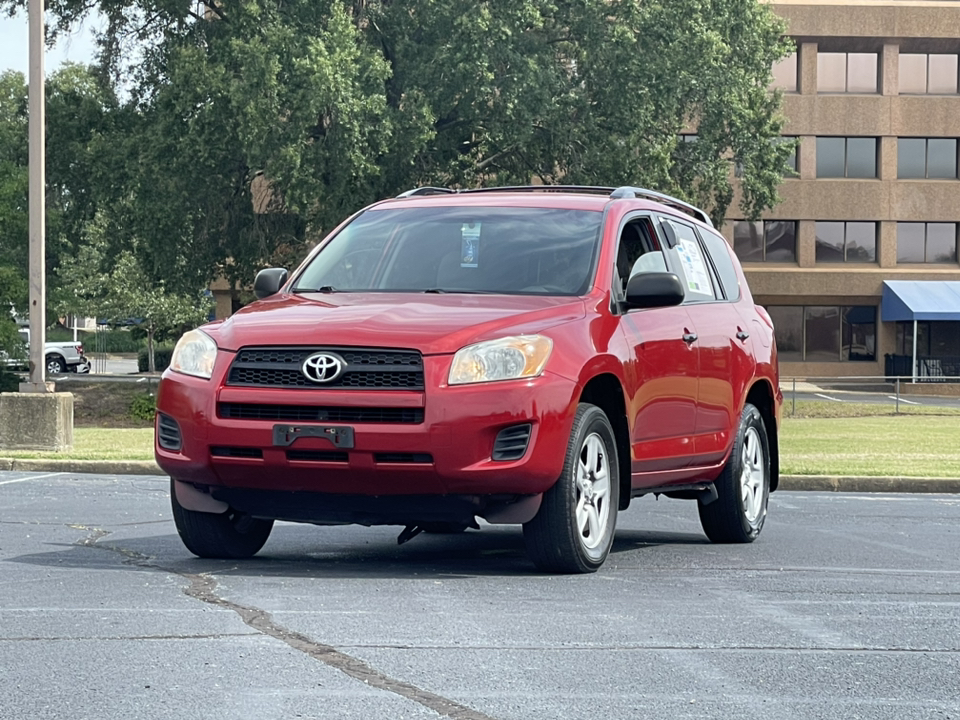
(300, 551)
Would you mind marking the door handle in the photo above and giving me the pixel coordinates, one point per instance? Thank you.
(689, 337)
(741, 335)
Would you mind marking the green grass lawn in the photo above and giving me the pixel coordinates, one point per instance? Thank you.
(100, 444)
(822, 439)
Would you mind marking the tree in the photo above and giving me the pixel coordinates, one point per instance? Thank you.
(251, 127)
(116, 288)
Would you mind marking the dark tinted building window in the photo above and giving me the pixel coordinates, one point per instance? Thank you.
(927, 243)
(854, 242)
(765, 241)
(933, 158)
(854, 157)
(825, 333)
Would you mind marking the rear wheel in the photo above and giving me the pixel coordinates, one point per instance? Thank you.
(573, 530)
(743, 488)
(231, 535)
(55, 365)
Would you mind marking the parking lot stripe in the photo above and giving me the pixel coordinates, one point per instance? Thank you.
(29, 477)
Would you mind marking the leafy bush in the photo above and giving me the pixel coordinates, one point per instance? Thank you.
(112, 341)
(143, 406)
(9, 382)
(161, 356)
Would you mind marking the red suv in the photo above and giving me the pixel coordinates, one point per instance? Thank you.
(532, 355)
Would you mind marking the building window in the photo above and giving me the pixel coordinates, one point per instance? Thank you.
(939, 339)
(927, 243)
(852, 242)
(785, 74)
(765, 241)
(927, 158)
(828, 333)
(928, 74)
(841, 157)
(847, 72)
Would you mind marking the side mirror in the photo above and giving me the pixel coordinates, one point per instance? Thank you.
(654, 289)
(269, 282)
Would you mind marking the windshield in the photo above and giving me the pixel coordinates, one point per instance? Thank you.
(512, 251)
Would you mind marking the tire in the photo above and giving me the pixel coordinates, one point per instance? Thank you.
(573, 530)
(55, 365)
(743, 488)
(230, 535)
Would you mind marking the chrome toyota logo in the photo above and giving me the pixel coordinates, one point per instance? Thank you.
(322, 367)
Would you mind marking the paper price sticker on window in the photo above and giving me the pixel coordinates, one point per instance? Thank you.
(694, 267)
(470, 245)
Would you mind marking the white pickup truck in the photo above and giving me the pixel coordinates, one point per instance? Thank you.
(60, 357)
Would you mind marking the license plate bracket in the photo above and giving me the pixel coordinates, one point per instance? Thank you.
(341, 436)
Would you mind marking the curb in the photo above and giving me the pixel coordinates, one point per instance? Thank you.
(796, 483)
(98, 467)
(851, 483)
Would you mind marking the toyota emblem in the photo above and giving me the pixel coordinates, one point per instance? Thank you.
(322, 367)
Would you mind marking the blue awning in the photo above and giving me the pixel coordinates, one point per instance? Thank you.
(908, 300)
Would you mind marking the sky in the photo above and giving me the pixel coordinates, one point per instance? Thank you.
(78, 47)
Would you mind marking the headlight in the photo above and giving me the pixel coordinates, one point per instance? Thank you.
(194, 355)
(505, 359)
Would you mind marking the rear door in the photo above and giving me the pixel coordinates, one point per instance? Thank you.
(722, 339)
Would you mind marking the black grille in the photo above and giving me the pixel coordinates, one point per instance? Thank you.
(317, 455)
(280, 367)
(403, 458)
(168, 433)
(239, 452)
(307, 413)
(511, 442)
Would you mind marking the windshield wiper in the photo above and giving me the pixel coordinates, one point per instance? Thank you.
(324, 289)
(458, 291)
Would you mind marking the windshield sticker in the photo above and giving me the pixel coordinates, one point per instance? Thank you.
(694, 267)
(470, 245)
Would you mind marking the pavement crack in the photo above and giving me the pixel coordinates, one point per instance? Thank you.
(203, 587)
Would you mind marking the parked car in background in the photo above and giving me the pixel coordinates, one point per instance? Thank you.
(537, 355)
(60, 357)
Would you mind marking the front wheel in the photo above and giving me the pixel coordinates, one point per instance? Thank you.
(743, 488)
(573, 530)
(230, 535)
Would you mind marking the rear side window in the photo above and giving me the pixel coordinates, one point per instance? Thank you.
(720, 254)
(695, 273)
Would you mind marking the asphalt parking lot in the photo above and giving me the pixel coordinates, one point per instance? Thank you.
(847, 607)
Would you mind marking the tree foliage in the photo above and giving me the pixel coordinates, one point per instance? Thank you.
(249, 127)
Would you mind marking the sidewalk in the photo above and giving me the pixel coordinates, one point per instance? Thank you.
(810, 483)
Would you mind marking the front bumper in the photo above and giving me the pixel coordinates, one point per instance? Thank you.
(448, 453)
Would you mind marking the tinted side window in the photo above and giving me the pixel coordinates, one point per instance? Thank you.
(694, 266)
(720, 254)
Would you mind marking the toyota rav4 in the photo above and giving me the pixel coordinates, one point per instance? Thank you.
(533, 355)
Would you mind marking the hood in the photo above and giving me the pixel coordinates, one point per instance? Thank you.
(432, 324)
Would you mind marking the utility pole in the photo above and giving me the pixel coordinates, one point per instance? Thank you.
(37, 191)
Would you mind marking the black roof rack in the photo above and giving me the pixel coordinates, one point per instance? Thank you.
(625, 191)
(426, 191)
(634, 192)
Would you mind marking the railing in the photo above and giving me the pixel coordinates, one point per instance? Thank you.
(870, 386)
(929, 369)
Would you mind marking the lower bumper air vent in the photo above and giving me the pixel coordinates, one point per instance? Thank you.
(338, 456)
(511, 442)
(237, 452)
(426, 458)
(168, 433)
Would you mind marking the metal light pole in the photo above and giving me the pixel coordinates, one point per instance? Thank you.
(37, 189)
